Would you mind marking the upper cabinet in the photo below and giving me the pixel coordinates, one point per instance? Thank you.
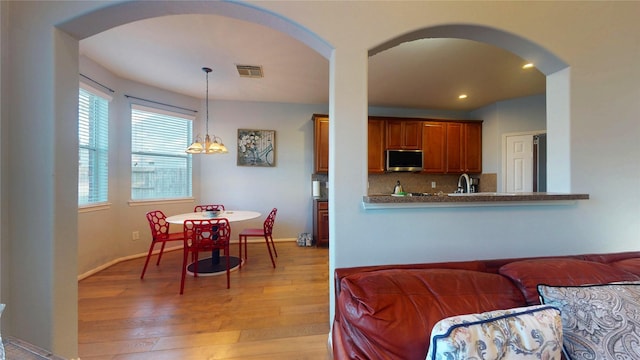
(455, 148)
(321, 144)
(376, 135)
(449, 147)
(434, 147)
(473, 147)
(404, 134)
(452, 147)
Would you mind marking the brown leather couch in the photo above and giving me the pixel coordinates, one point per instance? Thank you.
(388, 311)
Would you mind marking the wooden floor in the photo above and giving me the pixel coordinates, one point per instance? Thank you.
(268, 313)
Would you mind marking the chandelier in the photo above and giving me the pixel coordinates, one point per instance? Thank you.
(212, 144)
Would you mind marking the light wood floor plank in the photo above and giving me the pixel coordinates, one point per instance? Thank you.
(268, 313)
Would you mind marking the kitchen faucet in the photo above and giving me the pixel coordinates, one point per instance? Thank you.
(467, 184)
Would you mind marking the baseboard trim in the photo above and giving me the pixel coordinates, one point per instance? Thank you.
(135, 256)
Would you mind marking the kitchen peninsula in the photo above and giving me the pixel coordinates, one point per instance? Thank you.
(373, 202)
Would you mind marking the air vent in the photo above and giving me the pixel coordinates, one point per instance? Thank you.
(251, 71)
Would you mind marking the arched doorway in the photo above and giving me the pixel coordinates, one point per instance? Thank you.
(90, 24)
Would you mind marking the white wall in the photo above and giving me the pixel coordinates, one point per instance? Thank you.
(504, 117)
(598, 40)
(287, 186)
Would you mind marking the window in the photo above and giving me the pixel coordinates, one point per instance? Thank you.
(160, 167)
(93, 141)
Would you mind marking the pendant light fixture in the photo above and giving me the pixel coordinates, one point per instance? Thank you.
(212, 144)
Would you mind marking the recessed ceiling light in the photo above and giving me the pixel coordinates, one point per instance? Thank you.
(462, 96)
(527, 66)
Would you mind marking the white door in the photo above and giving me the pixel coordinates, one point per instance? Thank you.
(519, 163)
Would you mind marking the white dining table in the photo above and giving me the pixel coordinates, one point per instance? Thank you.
(231, 215)
(213, 266)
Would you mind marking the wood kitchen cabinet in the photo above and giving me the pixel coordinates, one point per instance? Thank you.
(404, 134)
(434, 147)
(452, 147)
(376, 135)
(464, 147)
(473, 147)
(321, 223)
(376, 138)
(321, 144)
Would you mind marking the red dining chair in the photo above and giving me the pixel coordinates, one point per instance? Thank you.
(213, 207)
(266, 232)
(205, 235)
(159, 235)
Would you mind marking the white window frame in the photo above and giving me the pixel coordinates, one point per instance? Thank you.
(150, 145)
(94, 180)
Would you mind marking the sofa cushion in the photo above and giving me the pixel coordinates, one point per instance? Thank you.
(389, 314)
(630, 265)
(599, 321)
(527, 274)
(525, 333)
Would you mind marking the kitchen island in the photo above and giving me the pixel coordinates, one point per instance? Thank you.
(383, 201)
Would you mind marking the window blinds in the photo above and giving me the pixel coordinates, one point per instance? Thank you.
(93, 140)
(160, 168)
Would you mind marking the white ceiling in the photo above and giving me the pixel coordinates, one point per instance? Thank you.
(168, 52)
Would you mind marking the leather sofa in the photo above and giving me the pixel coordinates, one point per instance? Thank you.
(388, 311)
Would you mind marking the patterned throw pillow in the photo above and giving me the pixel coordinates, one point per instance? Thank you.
(525, 333)
(599, 321)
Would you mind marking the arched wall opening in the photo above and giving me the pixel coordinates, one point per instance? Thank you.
(557, 92)
(103, 19)
(60, 333)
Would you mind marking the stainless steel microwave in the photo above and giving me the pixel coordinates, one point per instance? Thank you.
(404, 160)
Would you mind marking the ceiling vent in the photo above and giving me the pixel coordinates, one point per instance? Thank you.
(250, 71)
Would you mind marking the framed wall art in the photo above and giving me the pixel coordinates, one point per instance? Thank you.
(256, 148)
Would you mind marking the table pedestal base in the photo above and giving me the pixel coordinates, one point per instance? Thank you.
(208, 267)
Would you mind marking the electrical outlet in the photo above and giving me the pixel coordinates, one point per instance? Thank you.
(135, 235)
(433, 184)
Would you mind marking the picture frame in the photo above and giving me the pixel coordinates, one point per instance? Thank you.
(256, 148)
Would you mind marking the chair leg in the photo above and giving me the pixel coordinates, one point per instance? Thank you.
(228, 269)
(144, 269)
(184, 269)
(161, 251)
(195, 263)
(240, 250)
(266, 238)
(273, 245)
(246, 252)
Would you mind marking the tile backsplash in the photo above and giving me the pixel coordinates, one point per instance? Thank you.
(382, 184)
(323, 179)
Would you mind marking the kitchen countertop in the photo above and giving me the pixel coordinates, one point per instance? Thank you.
(372, 202)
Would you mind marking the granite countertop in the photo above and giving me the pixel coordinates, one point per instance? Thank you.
(475, 199)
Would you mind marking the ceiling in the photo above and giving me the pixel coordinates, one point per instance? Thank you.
(168, 52)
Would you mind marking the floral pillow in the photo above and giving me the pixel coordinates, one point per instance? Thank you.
(599, 321)
(525, 333)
